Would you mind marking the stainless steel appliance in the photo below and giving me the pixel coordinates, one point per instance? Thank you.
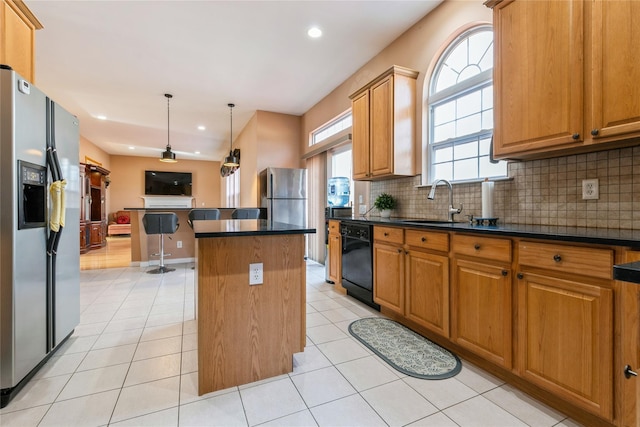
(284, 193)
(39, 231)
(329, 213)
(357, 261)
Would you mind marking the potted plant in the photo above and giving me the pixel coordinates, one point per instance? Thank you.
(384, 203)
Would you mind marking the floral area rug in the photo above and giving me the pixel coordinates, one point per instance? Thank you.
(408, 352)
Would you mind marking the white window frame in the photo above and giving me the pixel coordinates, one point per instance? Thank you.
(331, 128)
(476, 83)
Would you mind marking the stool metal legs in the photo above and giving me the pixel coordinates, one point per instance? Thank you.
(161, 269)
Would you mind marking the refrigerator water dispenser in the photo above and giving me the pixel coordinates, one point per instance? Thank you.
(32, 180)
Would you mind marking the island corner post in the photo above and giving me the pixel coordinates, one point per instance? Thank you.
(249, 332)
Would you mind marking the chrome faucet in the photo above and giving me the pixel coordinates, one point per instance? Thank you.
(432, 195)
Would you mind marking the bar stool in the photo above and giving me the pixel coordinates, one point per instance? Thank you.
(246, 213)
(160, 223)
(202, 213)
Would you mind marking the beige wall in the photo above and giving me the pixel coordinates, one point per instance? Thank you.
(268, 139)
(417, 48)
(127, 180)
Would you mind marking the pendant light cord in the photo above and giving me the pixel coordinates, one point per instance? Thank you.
(168, 99)
(231, 129)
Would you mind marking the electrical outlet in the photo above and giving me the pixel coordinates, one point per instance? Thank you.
(179, 244)
(590, 190)
(362, 209)
(255, 274)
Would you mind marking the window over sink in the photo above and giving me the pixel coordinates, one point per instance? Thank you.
(460, 110)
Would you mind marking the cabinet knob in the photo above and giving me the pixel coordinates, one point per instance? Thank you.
(628, 372)
(406, 252)
(505, 272)
(557, 258)
(595, 132)
(520, 276)
(476, 246)
(386, 234)
(575, 136)
(424, 239)
(399, 251)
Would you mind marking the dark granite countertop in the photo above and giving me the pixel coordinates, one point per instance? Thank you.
(627, 272)
(602, 236)
(245, 227)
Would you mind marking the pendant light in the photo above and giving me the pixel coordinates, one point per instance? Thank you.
(168, 156)
(231, 161)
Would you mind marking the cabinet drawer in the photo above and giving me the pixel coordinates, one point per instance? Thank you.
(334, 227)
(427, 240)
(570, 259)
(484, 247)
(388, 234)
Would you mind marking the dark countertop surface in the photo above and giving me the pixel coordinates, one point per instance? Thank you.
(627, 272)
(602, 236)
(245, 227)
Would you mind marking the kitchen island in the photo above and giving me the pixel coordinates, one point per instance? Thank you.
(248, 332)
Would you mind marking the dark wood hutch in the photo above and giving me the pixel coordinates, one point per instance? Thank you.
(93, 209)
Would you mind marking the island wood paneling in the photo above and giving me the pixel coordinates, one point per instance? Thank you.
(248, 333)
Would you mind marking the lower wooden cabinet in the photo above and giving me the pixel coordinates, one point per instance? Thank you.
(565, 323)
(388, 276)
(335, 252)
(481, 309)
(98, 234)
(411, 275)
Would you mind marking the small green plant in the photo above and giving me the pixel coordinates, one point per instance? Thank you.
(385, 201)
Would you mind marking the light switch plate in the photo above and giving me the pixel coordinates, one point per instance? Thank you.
(362, 209)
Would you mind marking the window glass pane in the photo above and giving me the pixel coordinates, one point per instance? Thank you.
(464, 151)
(480, 46)
(444, 113)
(488, 169)
(443, 171)
(469, 104)
(444, 132)
(331, 129)
(468, 125)
(487, 119)
(465, 169)
(485, 144)
(443, 154)
(463, 134)
(446, 78)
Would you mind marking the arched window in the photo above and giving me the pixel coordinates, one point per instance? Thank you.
(460, 106)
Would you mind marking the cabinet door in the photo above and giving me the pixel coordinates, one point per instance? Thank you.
(427, 287)
(538, 76)
(381, 136)
(17, 45)
(481, 309)
(360, 131)
(616, 69)
(335, 258)
(96, 234)
(388, 276)
(566, 339)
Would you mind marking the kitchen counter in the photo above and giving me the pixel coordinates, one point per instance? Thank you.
(248, 332)
(603, 236)
(245, 227)
(627, 272)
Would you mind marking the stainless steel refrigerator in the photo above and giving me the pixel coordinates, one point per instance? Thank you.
(39, 230)
(284, 193)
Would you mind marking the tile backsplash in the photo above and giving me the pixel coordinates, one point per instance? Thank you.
(539, 192)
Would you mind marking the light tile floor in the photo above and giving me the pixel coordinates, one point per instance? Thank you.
(132, 362)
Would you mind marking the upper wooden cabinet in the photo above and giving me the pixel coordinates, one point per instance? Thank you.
(564, 76)
(384, 126)
(17, 37)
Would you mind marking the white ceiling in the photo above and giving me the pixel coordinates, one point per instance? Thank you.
(119, 58)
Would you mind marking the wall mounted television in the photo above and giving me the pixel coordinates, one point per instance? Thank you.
(158, 183)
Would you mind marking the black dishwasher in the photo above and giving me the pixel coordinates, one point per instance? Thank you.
(357, 261)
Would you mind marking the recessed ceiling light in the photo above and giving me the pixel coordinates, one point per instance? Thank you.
(132, 148)
(201, 127)
(101, 117)
(314, 32)
(196, 152)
